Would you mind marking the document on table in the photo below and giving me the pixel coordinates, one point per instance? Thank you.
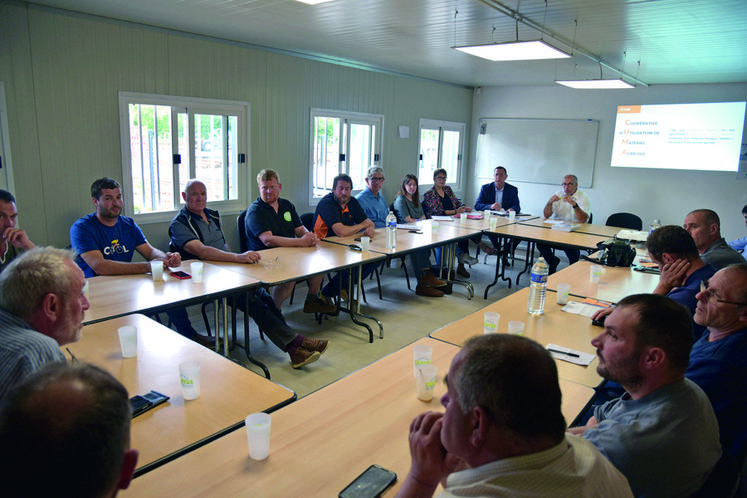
(442, 218)
(570, 355)
(408, 226)
(586, 308)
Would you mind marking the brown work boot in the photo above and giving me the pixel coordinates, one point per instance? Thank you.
(430, 279)
(424, 290)
(489, 250)
(462, 271)
(319, 305)
(303, 357)
(318, 345)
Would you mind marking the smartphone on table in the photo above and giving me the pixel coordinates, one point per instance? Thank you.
(181, 275)
(370, 484)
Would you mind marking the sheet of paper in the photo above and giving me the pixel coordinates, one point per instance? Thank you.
(570, 355)
(408, 226)
(583, 309)
(442, 218)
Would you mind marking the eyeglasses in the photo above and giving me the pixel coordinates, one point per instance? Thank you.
(567, 184)
(377, 179)
(704, 284)
(440, 178)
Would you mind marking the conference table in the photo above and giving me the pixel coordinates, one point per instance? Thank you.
(614, 284)
(112, 296)
(228, 391)
(320, 443)
(585, 236)
(553, 327)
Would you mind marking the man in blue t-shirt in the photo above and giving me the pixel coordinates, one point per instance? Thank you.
(718, 360)
(372, 201)
(273, 222)
(105, 243)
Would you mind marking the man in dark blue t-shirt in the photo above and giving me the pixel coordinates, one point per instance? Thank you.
(340, 214)
(273, 222)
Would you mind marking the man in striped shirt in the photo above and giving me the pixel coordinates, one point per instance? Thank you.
(41, 308)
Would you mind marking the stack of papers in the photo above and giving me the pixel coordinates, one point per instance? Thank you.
(634, 235)
(565, 227)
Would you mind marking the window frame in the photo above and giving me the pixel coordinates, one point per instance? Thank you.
(192, 106)
(433, 124)
(347, 119)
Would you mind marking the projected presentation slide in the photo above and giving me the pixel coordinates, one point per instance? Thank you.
(679, 136)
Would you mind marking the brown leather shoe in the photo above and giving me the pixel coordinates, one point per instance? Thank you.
(424, 290)
(319, 305)
(431, 280)
(462, 271)
(318, 345)
(303, 357)
(489, 250)
(208, 342)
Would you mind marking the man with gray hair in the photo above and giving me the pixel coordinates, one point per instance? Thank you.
(42, 304)
(372, 201)
(65, 432)
(571, 205)
(704, 226)
(503, 432)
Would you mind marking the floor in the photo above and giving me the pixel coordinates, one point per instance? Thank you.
(406, 317)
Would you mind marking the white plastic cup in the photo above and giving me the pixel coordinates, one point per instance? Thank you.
(421, 356)
(512, 216)
(595, 273)
(189, 375)
(434, 225)
(128, 341)
(365, 243)
(516, 328)
(426, 382)
(156, 270)
(463, 218)
(196, 269)
(258, 426)
(493, 223)
(490, 322)
(563, 291)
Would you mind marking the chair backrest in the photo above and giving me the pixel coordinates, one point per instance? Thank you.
(241, 228)
(625, 220)
(308, 221)
(724, 479)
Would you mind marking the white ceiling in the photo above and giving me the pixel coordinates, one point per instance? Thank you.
(656, 41)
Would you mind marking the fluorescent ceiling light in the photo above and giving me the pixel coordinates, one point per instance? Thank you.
(313, 2)
(515, 51)
(596, 84)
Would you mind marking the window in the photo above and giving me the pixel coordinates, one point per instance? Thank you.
(342, 142)
(168, 140)
(441, 145)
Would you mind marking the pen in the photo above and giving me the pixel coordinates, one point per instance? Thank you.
(573, 355)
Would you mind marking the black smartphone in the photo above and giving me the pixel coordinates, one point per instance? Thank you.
(600, 322)
(355, 247)
(142, 403)
(370, 484)
(180, 275)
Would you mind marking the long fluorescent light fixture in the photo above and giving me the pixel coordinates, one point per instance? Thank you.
(596, 84)
(514, 51)
(313, 2)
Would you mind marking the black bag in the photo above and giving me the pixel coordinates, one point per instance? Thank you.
(616, 252)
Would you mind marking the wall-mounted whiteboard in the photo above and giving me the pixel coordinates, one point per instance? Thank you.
(538, 150)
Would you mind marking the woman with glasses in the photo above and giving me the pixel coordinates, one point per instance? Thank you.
(441, 201)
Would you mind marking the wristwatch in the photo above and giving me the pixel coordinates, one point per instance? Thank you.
(574, 207)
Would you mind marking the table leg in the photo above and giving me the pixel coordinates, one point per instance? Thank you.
(500, 270)
(451, 249)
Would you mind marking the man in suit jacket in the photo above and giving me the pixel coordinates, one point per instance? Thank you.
(495, 196)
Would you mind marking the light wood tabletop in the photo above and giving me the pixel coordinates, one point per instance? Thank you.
(286, 264)
(320, 443)
(536, 233)
(553, 327)
(614, 284)
(228, 391)
(589, 228)
(118, 295)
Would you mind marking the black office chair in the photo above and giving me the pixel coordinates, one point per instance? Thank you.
(241, 228)
(624, 220)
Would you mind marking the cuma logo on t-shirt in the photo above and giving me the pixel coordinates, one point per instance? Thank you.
(115, 248)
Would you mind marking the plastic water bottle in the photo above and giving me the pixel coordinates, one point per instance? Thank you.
(538, 288)
(654, 225)
(391, 231)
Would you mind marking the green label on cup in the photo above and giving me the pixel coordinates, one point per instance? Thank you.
(187, 382)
